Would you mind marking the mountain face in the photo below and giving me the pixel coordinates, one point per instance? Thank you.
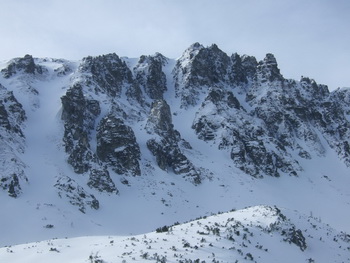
(92, 131)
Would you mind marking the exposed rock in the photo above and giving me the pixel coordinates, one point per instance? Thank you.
(239, 72)
(64, 69)
(12, 143)
(117, 146)
(11, 184)
(198, 69)
(107, 74)
(222, 119)
(166, 148)
(79, 115)
(160, 120)
(101, 180)
(12, 114)
(25, 64)
(76, 195)
(249, 65)
(150, 76)
(296, 237)
(267, 69)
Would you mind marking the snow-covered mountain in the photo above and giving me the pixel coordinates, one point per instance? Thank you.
(255, 234)
(116, 146)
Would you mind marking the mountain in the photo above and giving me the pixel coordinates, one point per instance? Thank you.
(111, 145)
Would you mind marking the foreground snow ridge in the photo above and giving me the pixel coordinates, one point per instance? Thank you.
(254, 234)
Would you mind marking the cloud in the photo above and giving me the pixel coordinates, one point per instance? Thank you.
(308, 37)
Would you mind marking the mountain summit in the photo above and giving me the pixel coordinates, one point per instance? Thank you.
(94, 145)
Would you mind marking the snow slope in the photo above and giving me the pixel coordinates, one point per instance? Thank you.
(255, 234)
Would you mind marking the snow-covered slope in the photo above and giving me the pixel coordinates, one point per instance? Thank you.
(255, 234)
(118, 146)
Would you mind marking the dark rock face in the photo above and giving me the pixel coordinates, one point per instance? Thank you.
(198, 69)
(222, 119)
(79, 115)
(202, 68)
(12, 114)
(267, 70)
(296, 237)
(107, 74)
(76, 195)
(166, 148)
(12, 143)
(239, 72)
(150, 76)
(117, 146)
(25, 64)
(101, 180)
(249, 65)
(159, 119)
(11, 184)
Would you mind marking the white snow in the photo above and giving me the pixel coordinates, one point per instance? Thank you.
(257, 233)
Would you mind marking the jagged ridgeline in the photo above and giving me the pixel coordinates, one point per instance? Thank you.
(117, 118)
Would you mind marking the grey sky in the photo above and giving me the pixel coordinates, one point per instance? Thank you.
(308, 37)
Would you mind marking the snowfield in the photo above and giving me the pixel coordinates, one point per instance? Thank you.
(255, 234)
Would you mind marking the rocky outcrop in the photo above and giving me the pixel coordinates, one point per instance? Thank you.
(223, 120)
(12, 114)
(167, 147)
(78, 114)
(267, 70)
(26, 65)
(106, 74)
(149, 75)
(100, 179)
(117, 146)
(198, 69)
(12, 143)
(76, 195)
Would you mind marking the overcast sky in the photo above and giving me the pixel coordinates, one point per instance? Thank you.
(308, 37)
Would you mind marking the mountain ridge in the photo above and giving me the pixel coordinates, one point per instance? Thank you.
(167, 140)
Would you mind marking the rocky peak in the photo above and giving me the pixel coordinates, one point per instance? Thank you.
(198, 69)
(210, 66)
(107, 73)
(25, 64)
(238, 74)
(249, 65)
(159, 57)
(267, 69)
(149, 75)
(192, 50)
